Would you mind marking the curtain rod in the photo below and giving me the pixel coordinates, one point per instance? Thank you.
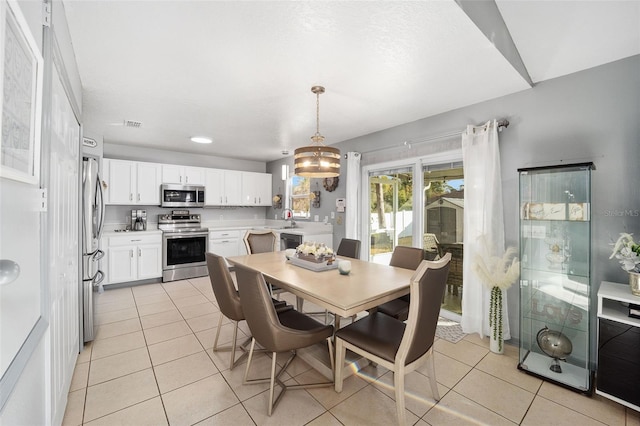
(502, 124)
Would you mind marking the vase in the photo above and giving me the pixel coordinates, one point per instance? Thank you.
(496, 338)
(495, 345)
(634, 283)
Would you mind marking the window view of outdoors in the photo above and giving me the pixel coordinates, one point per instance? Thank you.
(392, 215)
(444, 226)
(300, 202)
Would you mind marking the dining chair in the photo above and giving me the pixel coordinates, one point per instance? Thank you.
(262, 241)
(287, 332)
(407, 258)
(229, 303)
(349, 248)
(401, 347)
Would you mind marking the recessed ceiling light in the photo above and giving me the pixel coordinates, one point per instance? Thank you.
(201, 139)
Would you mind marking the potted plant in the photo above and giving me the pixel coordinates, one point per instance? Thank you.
(628, 254)
(497, 273)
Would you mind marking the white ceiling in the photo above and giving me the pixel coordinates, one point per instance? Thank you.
(241, 71)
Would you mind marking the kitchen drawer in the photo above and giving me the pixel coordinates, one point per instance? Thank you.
(134, 239)
(214, 235)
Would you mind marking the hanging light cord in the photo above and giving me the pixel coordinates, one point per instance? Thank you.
(318, 138)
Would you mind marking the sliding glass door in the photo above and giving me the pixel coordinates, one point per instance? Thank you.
(420, 203)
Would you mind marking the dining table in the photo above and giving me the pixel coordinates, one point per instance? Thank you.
(366, 286)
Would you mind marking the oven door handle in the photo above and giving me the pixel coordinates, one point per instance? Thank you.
(177, 235)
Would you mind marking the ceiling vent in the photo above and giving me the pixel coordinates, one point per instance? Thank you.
(132, 123)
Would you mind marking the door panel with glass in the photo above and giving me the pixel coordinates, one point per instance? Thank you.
(390, 212)
(443, 186)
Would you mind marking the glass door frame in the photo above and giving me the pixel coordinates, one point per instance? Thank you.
(416, 164)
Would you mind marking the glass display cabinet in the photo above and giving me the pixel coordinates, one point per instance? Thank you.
(555, 274)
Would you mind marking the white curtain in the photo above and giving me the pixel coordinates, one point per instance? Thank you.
(483, 216)
(352, 217)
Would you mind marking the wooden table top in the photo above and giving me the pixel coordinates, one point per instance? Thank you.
(368, 285)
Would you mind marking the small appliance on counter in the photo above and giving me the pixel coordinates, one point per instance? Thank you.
(138, 220)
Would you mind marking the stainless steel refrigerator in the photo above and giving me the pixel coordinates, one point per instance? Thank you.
(92, 224)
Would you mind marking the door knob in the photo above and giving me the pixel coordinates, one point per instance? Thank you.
(9, 271)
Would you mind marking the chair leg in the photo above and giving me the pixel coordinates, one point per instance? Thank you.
(246, 370)
(431, 369)
(233, 346)
(341, 353)
(215, 342)
(272, 382)
(398, 381)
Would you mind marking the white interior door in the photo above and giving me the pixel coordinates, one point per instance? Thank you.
(63, 240)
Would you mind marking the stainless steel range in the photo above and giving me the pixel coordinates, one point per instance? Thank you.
(184, 244)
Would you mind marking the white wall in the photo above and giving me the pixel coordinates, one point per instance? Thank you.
(31, 399)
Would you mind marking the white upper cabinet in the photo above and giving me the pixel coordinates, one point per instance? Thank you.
(184, 175)
(222, 187)
(256, 189)
(131, 182)
(148, 183)
(138, 183)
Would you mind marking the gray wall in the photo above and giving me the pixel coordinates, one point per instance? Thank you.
(591, 115)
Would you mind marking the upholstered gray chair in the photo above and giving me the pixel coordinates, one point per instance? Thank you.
(407, 258)
(259, 241)
(395, 345)
(287, 332)
(229, 304)
(349, 248)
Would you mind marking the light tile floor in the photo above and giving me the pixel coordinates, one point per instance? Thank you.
(152, 363)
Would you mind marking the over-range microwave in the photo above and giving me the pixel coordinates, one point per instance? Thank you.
(175, 195)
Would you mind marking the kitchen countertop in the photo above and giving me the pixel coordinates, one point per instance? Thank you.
(117, 233)
(306, 228)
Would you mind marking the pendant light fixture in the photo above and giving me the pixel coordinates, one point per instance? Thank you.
(317, 160)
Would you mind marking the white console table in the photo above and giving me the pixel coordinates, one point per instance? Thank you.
(618, 374)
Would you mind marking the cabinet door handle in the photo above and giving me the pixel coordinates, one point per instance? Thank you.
(221, 199)
(139, 252)
(259, 200)
(181, 179)
(131, 253)
(225, 200)
(186, 179)
(138, 197)
(130, 197)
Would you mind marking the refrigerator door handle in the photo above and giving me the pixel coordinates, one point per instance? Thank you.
(97, 255)
(98, 278)
(101, 205)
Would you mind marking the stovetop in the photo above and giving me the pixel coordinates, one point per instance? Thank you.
(180, 221)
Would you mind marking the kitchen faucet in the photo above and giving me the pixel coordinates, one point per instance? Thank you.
(287, 214)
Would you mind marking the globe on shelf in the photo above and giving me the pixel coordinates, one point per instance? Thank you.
(555, 345)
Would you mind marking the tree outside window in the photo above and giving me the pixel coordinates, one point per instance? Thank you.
(300, 201)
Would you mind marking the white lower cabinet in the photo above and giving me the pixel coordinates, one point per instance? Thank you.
(225, 243)
(134, 257)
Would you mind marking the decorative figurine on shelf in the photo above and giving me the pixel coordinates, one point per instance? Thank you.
(628, 254)
(556, 345)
